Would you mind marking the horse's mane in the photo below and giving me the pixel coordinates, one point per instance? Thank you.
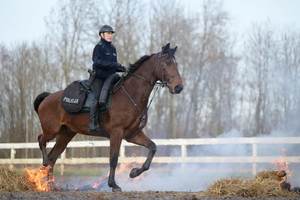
(139, 62)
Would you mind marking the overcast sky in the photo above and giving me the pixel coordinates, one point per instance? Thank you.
(23, 20)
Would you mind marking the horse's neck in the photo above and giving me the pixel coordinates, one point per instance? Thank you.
(142, 84)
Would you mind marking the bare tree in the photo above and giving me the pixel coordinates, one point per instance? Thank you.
(4, 60)
(211, 80)
(285, 81)
(260, 47)
(69, 35)
(175, 28)
(127, 19)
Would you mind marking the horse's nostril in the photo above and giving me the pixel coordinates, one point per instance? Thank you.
(178, 88)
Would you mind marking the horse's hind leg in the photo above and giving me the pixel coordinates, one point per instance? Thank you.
(62, 140)
(63, 137)
(42, 143)
(143, 140)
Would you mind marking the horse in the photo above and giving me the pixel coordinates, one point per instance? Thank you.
(125, 118)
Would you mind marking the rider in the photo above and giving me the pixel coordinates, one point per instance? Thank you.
(104, 64)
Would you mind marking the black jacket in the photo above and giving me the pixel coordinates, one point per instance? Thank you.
(105, 59)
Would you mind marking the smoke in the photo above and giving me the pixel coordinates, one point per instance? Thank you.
(197, 177)
(193, 177)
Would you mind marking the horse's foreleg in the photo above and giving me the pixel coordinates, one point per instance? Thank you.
(115, 143)
(143, 140)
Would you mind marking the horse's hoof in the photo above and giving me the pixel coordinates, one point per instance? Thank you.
(117, 189)
(134, 173)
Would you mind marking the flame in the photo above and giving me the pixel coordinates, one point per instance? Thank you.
(40, 178)
(44, 181)
(281, 165)
(123, 168)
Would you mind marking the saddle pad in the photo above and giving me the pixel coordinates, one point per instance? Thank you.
(77, 100)
(73, 97)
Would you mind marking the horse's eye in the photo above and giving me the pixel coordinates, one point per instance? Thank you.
(168, 62)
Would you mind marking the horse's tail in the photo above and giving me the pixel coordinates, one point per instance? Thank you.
(38, 100)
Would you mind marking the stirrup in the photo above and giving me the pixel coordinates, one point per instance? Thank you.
(101, 103)
(93, 128)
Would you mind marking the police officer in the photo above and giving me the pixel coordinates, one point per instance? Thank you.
(104, 64)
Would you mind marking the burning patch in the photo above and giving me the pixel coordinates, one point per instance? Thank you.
(122, 168)
(40, 178)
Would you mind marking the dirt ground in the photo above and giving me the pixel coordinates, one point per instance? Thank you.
(149, 195)
(81, 189)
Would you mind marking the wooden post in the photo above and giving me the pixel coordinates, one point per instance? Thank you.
(122, 152)
(62, 166)
(254, 155)
(12, 158)
(183, 156)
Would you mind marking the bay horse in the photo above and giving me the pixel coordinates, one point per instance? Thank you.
(125, 119)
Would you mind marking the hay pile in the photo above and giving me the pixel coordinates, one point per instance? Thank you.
(265, 184)
(11, 181)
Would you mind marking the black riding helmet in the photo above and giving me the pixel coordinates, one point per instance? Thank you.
(106, 28)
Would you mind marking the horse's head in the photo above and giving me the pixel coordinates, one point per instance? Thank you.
(167, 70)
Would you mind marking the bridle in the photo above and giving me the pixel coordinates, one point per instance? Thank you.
(164, 83)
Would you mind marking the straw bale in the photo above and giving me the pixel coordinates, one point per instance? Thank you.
(12, 181)
(273, 175)
(265, 184)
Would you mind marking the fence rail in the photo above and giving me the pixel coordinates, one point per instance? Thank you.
(183, 158)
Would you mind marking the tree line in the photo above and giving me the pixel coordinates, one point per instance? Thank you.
(246, 82)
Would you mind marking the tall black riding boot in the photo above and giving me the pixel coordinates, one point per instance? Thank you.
(103, 95)
(108, 84)
(93, 116)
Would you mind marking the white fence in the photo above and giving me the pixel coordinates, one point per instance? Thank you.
(183, 158)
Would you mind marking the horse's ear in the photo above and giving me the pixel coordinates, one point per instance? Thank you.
(166, 48)
(173, 50)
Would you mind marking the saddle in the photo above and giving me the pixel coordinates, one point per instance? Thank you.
(77, 98)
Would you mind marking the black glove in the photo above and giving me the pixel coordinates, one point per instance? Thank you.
(121, 68)
(124, 69)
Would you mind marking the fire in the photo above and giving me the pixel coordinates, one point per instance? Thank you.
(123, 168)
(39, 176)
(282, 166)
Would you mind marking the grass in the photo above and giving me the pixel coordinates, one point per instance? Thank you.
(81, 173)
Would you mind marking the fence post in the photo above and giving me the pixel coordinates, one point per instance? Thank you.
(122, 152)
(254, 155)
(183, 156)
(62, 166)
(12, 157)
